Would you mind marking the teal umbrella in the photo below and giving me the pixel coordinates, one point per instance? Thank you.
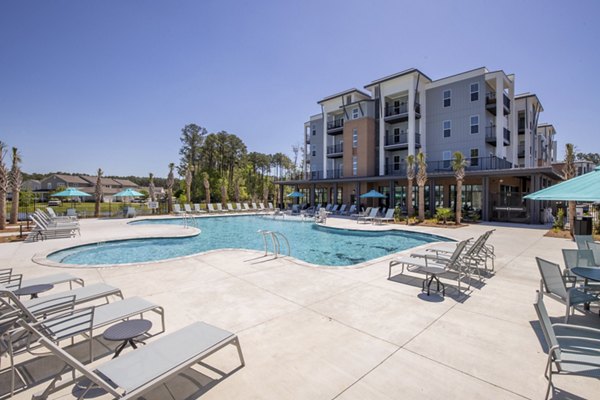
(71, 192)
(585, 187)
(295, 195)
(128, 193)
(373, 194)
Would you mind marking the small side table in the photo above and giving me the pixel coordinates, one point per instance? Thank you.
(33, 290)
(127, 331)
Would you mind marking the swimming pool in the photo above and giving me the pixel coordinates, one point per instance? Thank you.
(308, 242)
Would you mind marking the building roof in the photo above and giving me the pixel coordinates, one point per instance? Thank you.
(396, 75)
(104, 181)
(68, 178)
(126, 183)
(345, 92)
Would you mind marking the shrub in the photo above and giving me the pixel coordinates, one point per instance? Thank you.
(559, 221)
(444, 214)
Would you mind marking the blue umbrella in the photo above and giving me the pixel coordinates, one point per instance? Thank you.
(71, 192)
(295, 194)
(128, 193)
(585, 187)
(373, 194)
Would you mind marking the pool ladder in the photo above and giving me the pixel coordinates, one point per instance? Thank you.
(189, 221)
(276, 238)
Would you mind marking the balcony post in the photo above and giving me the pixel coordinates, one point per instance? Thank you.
(485, 206)
(411, 117)
(381, 134)
(512, 125)
(312, 194)
(324, 147)
(499, 116)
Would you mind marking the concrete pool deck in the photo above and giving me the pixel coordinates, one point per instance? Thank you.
(336, 333)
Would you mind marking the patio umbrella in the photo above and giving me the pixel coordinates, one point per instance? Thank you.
(128, 193)
(295, 195)
(585, 187)
(373, 194)
(72, 193)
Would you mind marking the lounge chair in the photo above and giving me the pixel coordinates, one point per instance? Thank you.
(484, 253)
(238, 207)
(187, 208)
(582, 241)
(52, 279)
(388, 217)
(197, 209)
(341, 210)
(261, 207)
(364, 213)
(71, 212)
(572, 349)
(230, 208)
(130, 212)
(328, 207)
(177, 209)
(221, 209)
(246, 207)
(351, 210)
(254, 207)
(210, 208)
(44, 231)
(271, 208)
(335, 208)
(52, 215)
(60, 222)
(553, 285)
(135, 373)
(433, 267)
(369, 217)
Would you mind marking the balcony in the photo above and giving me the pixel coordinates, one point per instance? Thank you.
(490, 136)
(474, 164)
(490, 103)
(400, 141)
(335, 151)
(335, 127)
(396, 169)
(315, 175)
(335, 173)
(521, 151)
(307, 141)
(399, 113)
(521, 126)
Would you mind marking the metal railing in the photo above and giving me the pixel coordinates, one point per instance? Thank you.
(400, 139)
(335, 173)
(490, 133)
(276, 238)
(338, 123)
(335, 149)
(490, 98)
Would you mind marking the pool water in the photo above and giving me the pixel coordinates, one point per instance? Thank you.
(308, 242)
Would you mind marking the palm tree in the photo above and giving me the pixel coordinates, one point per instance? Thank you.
(206, 183)
(170, 183)
(266, 193)
(151, 187)
(236, 192)
(223, 191)
(188, 183)
(459, 163)
(15, 183)
(3, 186)
(568, 173)
(410, 176)
(421, 181)
(98, 193)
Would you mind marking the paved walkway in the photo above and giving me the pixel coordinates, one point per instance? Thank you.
(338, 333)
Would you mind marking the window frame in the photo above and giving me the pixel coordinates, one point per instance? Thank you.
(473, 125)
(355, 113)
(476, 92)
(447, 158)
(355, 138)
(354, 165)
(449, 98)
(449, 129)
(476, 157)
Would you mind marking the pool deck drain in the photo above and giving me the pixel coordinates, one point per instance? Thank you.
(316, 333)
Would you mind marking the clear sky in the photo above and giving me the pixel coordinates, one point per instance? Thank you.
(110, 84)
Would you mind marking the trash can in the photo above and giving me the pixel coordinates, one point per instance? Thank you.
(583, 226)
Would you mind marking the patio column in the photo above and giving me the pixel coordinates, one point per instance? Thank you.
(485, 201)
(312, 194)
(534, 206)
(334, 196)
(391, 197)
(358, 195)
(281, 202)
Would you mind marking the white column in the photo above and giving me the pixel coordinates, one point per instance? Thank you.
(411, 116)
(512, 126)
(325, 145)
(499, 117)
(422, 121)
(381, 132)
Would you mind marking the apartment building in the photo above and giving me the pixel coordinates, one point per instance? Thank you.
(362, 138)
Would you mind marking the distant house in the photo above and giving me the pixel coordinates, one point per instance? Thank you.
(56, 181)
(32, 185)
(126, 184)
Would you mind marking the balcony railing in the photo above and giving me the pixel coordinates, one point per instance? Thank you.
(335, 125)
(401, 139)
(335, 173)
(336, 150)
(474, 164)
(314, 175)
(395, 169)
(521, 125)
(490, 135)
(400, 111)
(490, 102)
(521, 151)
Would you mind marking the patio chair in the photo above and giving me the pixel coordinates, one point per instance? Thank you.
(137, 372)
(63, 222)
(271, 208)
(254, 207)
(351, 211)
(72, 213)
(388, 217)
(177, 209)
(580, 258)
(230, 208)
(433, 267)
(238, 207)
(221, 209)
(594, 247)
(261, 207)
(342, 209)
(246, 207)
(210, 208)
(53, 216)
(369, 217)
(361, 213)
(52, 279)
(582, 241)
(43, 231)
(187, 208)
(572, 349)
(197, 209)
(554, 286)
(485, 251)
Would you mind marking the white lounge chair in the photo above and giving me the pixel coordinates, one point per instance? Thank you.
(246, 207)
(221, 209)
(369, 217)
(388, 217)
(197, 209)
(261, 207)
(177, 209)
(210, 208)
(187, 208)
(52, 279)
(137, 372)
(238, 207)
(352, 210)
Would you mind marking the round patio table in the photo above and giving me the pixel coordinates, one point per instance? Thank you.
(33, 290)
(127, 331)
(589, 274)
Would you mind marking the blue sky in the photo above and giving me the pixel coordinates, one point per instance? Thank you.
(110, 84)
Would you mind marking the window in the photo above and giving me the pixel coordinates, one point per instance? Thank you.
(313, 150)
(349, 99)
(474, 157)
(314, 131)
(447, 98)
(396, 163)
(474, 91)
(474, 124)
(354, 113)
(396, 135)
(447, 128)
(49, 184)
(354, 165)
(355, 138)
(447, 157)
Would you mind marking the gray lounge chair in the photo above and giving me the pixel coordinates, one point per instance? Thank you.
(53, 279)
(484, 253)
(388, 217)
(137, 372)
(369, 217)
(572, 349)
(553, 285)
(432, 267)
